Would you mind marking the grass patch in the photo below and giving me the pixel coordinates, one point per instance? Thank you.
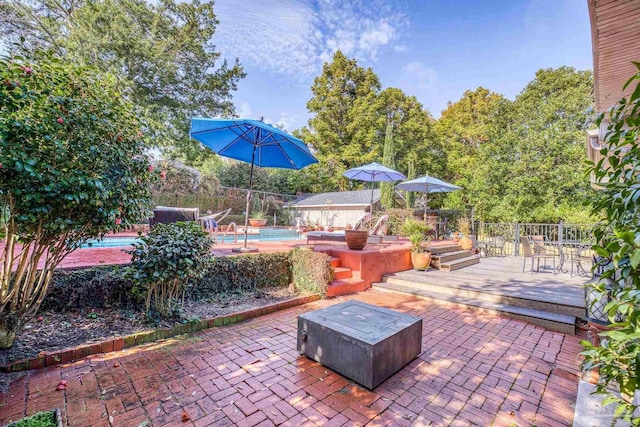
(39, 419)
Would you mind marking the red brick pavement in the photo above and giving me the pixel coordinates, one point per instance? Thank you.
(476, 369)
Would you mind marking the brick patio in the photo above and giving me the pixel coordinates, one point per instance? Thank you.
(476, 369)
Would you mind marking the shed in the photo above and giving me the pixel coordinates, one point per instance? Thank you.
(337, 209)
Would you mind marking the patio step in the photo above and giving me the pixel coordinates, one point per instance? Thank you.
(456, 290)
(551, 321)
(345, 286)
(457, 264)
(335, 262)
(437, 260)
(342, 273)
(440, 249)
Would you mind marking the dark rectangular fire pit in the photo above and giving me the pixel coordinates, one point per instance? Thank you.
(360, 341)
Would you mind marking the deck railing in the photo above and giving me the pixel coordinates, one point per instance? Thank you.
(511, 232)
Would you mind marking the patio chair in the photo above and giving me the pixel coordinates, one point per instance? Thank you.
(380, 228)
(583, 257)
(479, 246)
(496, 245)
(529, 252)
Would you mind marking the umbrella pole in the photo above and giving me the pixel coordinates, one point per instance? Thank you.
(426, 201)
(246, 217)
(371, 204)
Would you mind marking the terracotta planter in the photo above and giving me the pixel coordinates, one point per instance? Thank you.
(421, 261)
(466, 243)
(257, 222)
(356, 239)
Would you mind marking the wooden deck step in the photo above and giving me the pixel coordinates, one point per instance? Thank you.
(440, 249)
(552, 321)
(437, 260)
(342, 273)
(345, 286)
(460, 263)
(465, 291)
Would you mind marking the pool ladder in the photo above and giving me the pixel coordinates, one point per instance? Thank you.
(231, 225)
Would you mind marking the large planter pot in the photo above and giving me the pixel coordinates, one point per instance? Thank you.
(356, 239)
(257, 222)
(465, 243)
(421, 261)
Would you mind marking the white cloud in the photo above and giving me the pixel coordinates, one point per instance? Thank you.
(418, 75)
(295, 37)
(244, 111)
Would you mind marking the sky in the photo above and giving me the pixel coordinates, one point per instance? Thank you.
(434, 50)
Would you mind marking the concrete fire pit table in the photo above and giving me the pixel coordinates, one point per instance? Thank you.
(363, 342)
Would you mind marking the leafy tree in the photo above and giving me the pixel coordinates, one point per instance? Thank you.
(617, 358)
(164, 50)
(72, 168)
(463, 128)
(342, 132)
(528, 172)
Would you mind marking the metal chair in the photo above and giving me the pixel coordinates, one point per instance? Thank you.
(496, 245)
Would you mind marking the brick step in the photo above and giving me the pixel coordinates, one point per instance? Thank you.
(342, 273)
(551, 321)
(440, 249)
(460, 263)
(345, 286)
(459, 290)
(335, 262)
(437, 260)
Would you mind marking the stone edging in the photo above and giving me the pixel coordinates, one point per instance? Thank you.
(119, 343)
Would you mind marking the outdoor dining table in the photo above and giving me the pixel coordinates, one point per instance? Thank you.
(568, 250)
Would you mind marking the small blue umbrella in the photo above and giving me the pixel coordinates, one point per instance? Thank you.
(252, 141)
(374, 172)
(427, 184)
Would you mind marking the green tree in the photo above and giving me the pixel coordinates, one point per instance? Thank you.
(527, 171)
(72, 168)
(342, 131)
(464, 127)
(163, 50)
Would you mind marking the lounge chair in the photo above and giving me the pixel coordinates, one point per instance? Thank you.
(361, 222)
(376, 233)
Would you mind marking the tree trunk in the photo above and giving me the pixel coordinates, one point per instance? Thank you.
(10, 325)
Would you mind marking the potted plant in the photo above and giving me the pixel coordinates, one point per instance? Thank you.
(356, 239)
(258, 219)
(417, 233)
(464, 225)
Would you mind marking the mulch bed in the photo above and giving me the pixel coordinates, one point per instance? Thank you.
(55, 331)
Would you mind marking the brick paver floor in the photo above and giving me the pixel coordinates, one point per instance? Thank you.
(475, 369)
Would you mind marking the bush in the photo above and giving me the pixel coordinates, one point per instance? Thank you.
(412, 226)
(166, 259)
(311, 271)
(244, 273)
(95, 287)
(397, 217)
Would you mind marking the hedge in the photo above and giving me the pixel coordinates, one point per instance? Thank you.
(105, 286)
(311, 271)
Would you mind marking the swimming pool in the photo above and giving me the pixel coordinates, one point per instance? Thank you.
(266, 235)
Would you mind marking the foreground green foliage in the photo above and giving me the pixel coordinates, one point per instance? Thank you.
(39, 419)
(166, 260)
(72, 168)
(417, 232)
(618, 357)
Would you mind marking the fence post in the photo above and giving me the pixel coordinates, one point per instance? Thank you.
(560, 226)
(516, 243)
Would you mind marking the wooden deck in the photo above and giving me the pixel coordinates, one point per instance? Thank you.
(498, 284)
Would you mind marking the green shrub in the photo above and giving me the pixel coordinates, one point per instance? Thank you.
(244, 273)
(397, 217)
(412, 226)
(311, 271)
(95, 287)
(166, 259)
(39, 419)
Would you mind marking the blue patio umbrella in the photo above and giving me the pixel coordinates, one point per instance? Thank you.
(374, 172)
(427, 184)
(254, 142)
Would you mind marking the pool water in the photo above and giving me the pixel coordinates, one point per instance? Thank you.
(266, 235)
